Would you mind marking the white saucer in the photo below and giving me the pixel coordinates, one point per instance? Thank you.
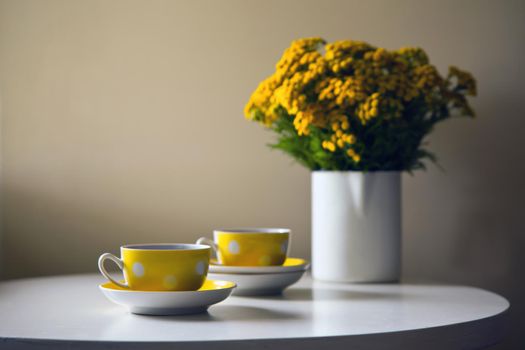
(261, 283)
(290, 265)
(169, 303)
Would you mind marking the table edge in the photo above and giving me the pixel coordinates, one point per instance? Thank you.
(493, 326)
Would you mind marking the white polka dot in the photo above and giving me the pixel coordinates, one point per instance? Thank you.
(284, 247)
(138, 269)
(200, 267)
(265, 260)
(233, 247)
(170, 281)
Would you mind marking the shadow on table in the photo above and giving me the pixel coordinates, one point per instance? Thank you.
(303, 294)
(220, 313)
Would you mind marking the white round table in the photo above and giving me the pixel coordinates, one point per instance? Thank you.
(70, 312)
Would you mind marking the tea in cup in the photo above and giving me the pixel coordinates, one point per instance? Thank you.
(160, 267)
(249, 246)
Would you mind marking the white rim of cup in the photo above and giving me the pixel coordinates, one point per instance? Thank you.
(252, 230)
(151, 246)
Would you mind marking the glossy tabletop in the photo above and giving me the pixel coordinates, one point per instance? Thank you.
(70, 312)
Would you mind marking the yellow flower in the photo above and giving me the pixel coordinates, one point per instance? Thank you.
(329, 145)
(302, 121)
(352, 154)
(339, 94)
(349, 138)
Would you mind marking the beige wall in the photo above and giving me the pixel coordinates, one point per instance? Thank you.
(122, 122)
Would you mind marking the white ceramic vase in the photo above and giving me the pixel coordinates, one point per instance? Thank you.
(356, 226)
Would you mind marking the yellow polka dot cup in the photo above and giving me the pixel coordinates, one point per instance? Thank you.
(160, 267)
(249, 247)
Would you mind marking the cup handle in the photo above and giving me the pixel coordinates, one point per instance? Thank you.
(105, 273)
(211, 243)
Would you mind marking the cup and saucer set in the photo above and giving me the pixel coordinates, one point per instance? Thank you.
(179, 279)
